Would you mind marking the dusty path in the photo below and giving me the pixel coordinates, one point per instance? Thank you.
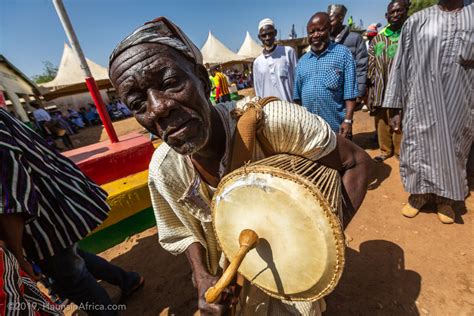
(395, 266)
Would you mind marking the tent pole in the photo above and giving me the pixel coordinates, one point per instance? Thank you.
(90, 81)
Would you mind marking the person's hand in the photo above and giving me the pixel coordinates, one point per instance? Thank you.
(227, 297)
(2, 244)
(346, 130)
(28, 269)
(395, 123)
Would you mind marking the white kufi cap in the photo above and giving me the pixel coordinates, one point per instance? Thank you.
(265, 22)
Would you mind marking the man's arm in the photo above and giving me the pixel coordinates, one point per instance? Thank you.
(312, 138)
(12, 227)
(354, 165)
(346, 127)
(371, 63)
(203, 280)
(351, 91)
(292, 60)
(176, 237)
(256, 80)
(361, 65)
(395, 92)
(297, 86)
(16, 205)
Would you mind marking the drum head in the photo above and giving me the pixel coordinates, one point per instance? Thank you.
(300, 254)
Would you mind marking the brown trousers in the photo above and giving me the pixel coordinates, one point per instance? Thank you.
(389, 141)
(420, 200)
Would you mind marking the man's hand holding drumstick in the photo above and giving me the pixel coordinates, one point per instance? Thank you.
(203, 280)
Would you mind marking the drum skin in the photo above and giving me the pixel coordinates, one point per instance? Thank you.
(300, 253)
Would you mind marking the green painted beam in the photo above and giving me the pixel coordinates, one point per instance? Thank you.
(115, 234)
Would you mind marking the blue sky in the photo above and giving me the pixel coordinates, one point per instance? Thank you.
(30, 31)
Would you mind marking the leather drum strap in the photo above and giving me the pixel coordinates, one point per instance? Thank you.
(246, 135)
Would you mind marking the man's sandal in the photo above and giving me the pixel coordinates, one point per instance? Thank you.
(410, 211)
(446, 214)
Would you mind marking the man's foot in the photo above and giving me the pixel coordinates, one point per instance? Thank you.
(365, 108)
(410, 211)
(380, 158)
(446, 214)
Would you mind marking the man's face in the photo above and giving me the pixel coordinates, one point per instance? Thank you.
(161, 87)
(318, 33)
(337, 20)
(397, 14)
(267, 36)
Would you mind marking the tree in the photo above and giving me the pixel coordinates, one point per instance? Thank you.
(49, 72)
(417, 5)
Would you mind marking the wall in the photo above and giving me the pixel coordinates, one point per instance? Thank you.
(77, 100)
(10, 80)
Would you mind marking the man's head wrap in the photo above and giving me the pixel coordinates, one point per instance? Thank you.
(265, 22)
(338, 9)
(159, 31)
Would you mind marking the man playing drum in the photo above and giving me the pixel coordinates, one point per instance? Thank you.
(158, 72)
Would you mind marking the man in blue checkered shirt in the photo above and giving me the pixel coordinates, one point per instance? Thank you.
(326, 82)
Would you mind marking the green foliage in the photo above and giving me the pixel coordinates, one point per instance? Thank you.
(49, 73)
(417, 5)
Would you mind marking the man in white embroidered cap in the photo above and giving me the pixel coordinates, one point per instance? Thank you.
(158, 72)
(274, 69)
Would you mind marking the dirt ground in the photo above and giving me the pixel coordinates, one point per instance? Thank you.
(394, 265)
(94, 134)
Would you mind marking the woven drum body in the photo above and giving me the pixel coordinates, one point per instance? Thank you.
(293, 204)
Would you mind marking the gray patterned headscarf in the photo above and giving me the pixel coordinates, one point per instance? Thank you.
(159, 31)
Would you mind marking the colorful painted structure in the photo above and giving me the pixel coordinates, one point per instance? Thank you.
(122, 170)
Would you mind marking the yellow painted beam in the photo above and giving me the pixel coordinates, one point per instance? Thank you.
(127, 196)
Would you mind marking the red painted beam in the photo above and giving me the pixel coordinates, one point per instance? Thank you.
(99, 104)
(105, 161)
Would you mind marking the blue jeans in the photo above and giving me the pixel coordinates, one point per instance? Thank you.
(75, 274)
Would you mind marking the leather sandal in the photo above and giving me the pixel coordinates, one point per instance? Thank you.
(446, 214)
(409, 211)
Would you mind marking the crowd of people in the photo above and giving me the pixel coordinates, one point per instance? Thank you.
(221, 83)
(416, 85)
(407, 87)
(54, 124)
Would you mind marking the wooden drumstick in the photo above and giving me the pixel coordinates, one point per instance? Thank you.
(248, 239)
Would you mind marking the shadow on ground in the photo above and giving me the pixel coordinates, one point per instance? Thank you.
(168, 286)
(365, 140)
(459, 207)
(87, 136)
(375, 282)
(380, 172)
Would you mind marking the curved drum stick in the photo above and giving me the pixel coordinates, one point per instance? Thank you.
(248, 239)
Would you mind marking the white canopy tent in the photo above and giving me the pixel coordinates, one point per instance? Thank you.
(214, 52)
(70, 72)
(250, 48)
(68, 88)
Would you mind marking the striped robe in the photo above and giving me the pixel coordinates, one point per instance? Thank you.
(432, 81)
(380, 65)
(60, 204)
(19, 295)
